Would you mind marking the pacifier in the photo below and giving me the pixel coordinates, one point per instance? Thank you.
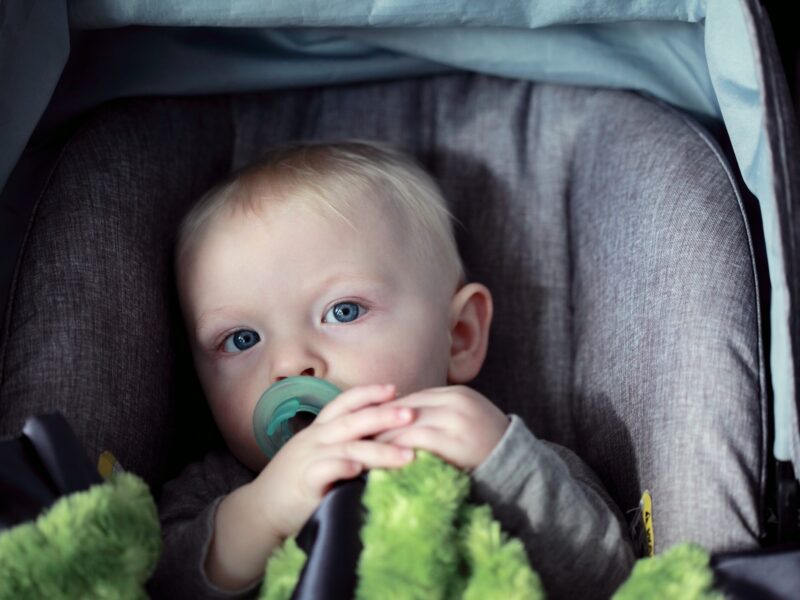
(287, 407)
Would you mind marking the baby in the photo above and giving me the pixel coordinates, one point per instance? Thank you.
(338, 261)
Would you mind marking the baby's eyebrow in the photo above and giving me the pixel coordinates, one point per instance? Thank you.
(204, 324)
(348, 278)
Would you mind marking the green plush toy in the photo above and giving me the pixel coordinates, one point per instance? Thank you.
(421, 539)
(100, 543)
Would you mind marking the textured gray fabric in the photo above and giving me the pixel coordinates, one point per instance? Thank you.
(626, 315)
(669, 375)
(187, 508)
(91, 330)
(546, 496)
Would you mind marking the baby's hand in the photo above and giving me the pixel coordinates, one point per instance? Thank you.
(456, 423)
(334, 447)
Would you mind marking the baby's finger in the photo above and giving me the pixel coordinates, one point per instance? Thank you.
(443, 419)
(322, 474)
(373, 455)
(363, 423)
(433, 440)
(400, 435)
(447, 419)
(355, 398)
(430, 397)
(348, 460)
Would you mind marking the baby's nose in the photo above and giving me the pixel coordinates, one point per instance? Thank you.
(295, 359)
(310, 372)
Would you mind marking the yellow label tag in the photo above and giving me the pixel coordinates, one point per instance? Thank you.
(646, 506)
(108, 464)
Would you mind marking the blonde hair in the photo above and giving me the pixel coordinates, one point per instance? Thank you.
(328, 176)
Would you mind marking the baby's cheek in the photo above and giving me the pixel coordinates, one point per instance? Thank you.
(410, 371)
(244, 447)
(234, 419)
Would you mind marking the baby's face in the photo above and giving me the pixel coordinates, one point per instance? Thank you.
(290, 291)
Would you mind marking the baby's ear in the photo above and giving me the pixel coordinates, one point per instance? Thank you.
(470, 318)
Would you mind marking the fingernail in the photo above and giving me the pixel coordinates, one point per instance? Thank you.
(406, 414)
(408, 454)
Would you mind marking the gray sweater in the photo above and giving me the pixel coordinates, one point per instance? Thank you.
(540, 492)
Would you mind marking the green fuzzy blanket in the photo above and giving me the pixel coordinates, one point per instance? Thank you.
(421, 539)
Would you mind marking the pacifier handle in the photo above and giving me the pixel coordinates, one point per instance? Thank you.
(283, 404)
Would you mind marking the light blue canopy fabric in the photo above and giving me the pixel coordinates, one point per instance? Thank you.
(698, 55)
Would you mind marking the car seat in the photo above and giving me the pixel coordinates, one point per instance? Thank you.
(609, 227)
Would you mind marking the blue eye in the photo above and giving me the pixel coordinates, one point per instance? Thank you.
(240, 340)
(343, 312)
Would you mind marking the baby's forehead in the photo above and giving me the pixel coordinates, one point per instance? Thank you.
(358, 207)
(353, 207)
(261, 209)
(365, 239)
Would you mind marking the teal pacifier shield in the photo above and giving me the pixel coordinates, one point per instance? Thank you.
(285, 406)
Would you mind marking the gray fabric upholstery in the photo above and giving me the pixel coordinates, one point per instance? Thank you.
(668, 358)
(606, 226)
(91, 325)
